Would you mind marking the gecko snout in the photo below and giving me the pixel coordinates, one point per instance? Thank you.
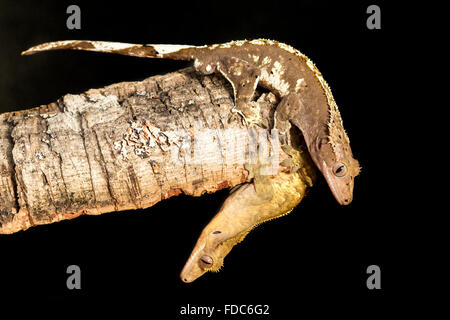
(344, 201)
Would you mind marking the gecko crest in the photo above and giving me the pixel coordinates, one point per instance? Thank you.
(335, 124)
(337, 134)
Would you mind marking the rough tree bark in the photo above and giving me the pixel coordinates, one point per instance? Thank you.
(120, 148)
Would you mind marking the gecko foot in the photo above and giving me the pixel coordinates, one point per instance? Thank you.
(249, 111)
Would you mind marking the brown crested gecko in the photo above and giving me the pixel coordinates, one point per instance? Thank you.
(306, 99)
(306, 102)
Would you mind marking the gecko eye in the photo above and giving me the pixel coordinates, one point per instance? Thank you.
(339, 170)
(206, 260)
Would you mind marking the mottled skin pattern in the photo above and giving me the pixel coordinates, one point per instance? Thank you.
(306, 102)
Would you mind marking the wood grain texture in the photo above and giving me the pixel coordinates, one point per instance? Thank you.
(113, 149)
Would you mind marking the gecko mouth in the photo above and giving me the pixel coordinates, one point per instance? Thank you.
(339, 198)
(192, 270)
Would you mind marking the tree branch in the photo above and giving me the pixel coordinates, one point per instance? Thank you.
(126, 146)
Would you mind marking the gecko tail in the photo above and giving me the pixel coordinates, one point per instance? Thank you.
(127, 49)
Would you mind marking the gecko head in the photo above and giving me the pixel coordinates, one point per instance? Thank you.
(208, 254)
(335, 160)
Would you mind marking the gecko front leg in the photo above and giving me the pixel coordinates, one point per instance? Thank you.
(245, 208)
(243, 77)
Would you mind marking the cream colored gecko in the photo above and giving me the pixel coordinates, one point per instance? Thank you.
(267, 198)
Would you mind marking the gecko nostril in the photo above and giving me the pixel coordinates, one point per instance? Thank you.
(217, 232)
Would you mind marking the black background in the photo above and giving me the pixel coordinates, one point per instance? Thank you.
(312, 261)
